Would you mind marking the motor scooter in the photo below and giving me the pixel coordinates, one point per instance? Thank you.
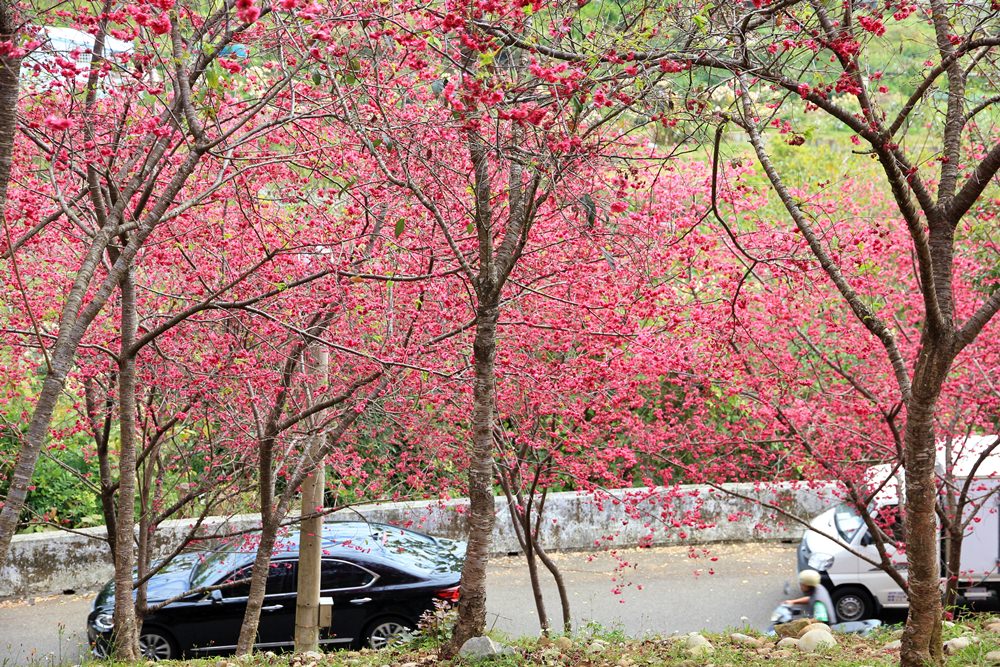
(786, 613)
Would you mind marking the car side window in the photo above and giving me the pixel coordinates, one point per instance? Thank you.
(340, 574)
(280, 579)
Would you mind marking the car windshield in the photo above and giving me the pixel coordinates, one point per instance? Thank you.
(215, 566)
(420, 551)
(848, 522)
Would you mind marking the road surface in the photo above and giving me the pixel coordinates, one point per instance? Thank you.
(662, 590)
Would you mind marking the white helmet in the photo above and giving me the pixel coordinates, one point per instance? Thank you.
(809, 578)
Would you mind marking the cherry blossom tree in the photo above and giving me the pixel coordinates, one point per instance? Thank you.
(781, 60)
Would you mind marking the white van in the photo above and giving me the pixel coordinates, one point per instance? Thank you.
(860, 589)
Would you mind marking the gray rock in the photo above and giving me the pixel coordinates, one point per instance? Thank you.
(597, 646)
(741, 638)
(814, 640)
(993, 658)
(697, 645)
(953, 646)
(788, 642)
(814, 626)
(564, 643)
(893, 645)
(478, 648)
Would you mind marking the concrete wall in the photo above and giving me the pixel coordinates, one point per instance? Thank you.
(54, 562)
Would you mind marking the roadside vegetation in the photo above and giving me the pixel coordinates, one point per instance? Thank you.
(600, 647)
(493, 248)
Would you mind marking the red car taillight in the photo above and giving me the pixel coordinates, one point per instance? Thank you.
(450, 594)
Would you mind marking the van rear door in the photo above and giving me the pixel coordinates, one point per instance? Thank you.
(981, 545)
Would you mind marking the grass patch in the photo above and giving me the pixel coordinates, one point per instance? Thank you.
(598, 647)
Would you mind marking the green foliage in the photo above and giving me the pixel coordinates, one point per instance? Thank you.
(60, 493)
(436, 626)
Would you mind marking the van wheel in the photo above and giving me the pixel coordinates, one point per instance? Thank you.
(852, 603)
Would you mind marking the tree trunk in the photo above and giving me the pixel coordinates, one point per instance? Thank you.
(521, 522)
(258, 581)
(921, 640)
(100, 423)
(481, 517)
(536, 586)
(126, 629)
(311, 531)
(10, 72)
(147, 528)
(560, 585)
(953, 566)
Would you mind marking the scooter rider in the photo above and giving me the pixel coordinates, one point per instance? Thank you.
(816, 599)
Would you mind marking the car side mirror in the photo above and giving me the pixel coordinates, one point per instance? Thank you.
(867, 540)
(215, 596)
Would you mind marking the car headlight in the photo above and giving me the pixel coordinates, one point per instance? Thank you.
(104, 622)
(820, 561)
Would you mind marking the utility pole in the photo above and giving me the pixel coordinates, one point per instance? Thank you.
(311, 529)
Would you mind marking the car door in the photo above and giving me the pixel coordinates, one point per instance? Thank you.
(217, 628)
(277, 614)
(348, 584)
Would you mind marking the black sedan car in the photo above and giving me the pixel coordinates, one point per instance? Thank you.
(381, 578)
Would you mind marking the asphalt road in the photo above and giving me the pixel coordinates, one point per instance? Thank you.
(663, 590)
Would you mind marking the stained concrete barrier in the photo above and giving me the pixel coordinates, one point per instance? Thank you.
(53, 562)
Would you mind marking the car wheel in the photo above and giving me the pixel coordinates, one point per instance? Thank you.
(386, 632)
(852, 603)
(155, 644)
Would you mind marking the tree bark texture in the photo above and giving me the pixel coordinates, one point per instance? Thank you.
(10, 72)
(126, 630)
(482, 508)
(921, 640)
(258, 581)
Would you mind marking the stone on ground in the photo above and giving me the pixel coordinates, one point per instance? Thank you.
(697, 645)
(791, 629)
(597, 646)
(478, 648)
(953, 646)
(741, 638)
(814, 626)
(814, 640)
(564, 643)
